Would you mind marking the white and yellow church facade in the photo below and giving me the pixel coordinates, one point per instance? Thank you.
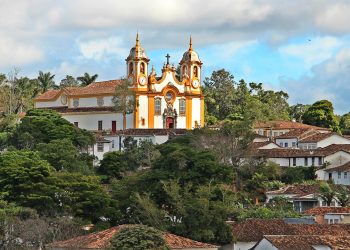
(169, 102)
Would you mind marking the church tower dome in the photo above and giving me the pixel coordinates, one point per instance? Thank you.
(190, 66)
(137, 52)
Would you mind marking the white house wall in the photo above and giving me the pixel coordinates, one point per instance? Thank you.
(143, 111)
(92, 101)
(334, 139)
(337, 159)
(169, 79)
(282, 142)
(54, 103)
(265, 245)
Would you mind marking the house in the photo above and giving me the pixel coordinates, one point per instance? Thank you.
(101, 240)
(251, 231)
(280, 127)
(302, 242)
(292, 137)
(332, 155)
(302, 196)
(330, 215)
(339, 174)
(165, 102)
(322, 140)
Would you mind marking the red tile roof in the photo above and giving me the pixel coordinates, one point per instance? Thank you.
(101, 240)
(96, 88)
(299, 190)
(306, 242)
(254, 229)
(327, 210)
(292, 152)
(317, 137)
(280, 124)
(297, 133)
(341, 168)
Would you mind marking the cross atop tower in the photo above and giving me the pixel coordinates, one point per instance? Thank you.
(167, 58)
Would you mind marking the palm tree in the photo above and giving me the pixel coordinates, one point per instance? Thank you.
(342, 196)
(327, 193)
(86, 79)
(124, 100)
(46, 81)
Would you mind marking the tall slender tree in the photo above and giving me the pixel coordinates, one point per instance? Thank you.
(46, 81)
(86, 79)
(124, 100)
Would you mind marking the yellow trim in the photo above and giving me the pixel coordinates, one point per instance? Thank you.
(202, 113)
(189, 113)
(150, 112)
(136, 114)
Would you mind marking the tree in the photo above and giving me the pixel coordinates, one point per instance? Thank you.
(64, 156)
(327, 193)
(86, 79)
(321, 114)
(124, 100)
(297, 111)
(342, 196)
(43, 126)
(69, 81)
(139, 238)
(344, 123)
(46, 81)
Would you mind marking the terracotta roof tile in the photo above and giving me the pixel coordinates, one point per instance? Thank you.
(280, 124)
(317, 137)
(254, 229)
(101, 240)
(297, 133)
(96, 88)
(341, 168)
(327, 210)
(306, 242)
(298, 190)
(48, 95)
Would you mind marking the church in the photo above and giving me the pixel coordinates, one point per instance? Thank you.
(171, 102)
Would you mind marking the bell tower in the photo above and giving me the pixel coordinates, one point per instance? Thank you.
(137, 66)
(190, 67)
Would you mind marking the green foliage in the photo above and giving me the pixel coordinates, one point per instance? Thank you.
(297, 111)
(69, 81)
(321, 114)
(46, 81)
(298, 174)
(227, 99)
(342, 196)
(327, 193)
(86, 79)
(139, 238)
(64, 156)
(43, 126)
(267, 213)
(344, 124)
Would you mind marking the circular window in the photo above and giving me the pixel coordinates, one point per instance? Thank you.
(64, 99)
(169, 96)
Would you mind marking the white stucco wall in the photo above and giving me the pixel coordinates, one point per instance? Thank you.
(143, 111)
(300, 161)
(269, 146)
(339, 177)
(54, 103)
(90, 121)
(338, 158)
(282, 142)
(334, 139)
(265, 245)
(92, 101)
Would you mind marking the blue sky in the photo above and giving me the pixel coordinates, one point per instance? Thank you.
(300, 46)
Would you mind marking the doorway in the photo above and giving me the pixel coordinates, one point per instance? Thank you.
(169, 122)
(114, 126)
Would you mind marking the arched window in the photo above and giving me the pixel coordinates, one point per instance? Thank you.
(142, 68)
(157, 106)
(131, 68)
(182, 107)
(184, 70)
(195, 71)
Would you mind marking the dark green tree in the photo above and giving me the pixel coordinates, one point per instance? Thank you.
(139, 238)
(69, 81)
(321, 114)
(327, 193)
(297, 111)
(344, 123)
(46, 81)
(86, 79)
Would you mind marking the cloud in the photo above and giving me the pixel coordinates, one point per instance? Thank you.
(329, 80)
(13, 53)
(312, 50)
(102, 48)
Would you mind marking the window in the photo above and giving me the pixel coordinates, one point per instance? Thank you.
(345, 175)
(313, 161)
(99, 147)
(281, 144)
(76, 124)
(294, 161)
(100, 101)
(275, 134)
(286, 144)
(142, 68)
(182, 107)
(169, 96)
(113, 144)
(195, 71)
(305, 161)
(99, 125)
(157, 106)
(339, 175)
(319, 161)
(293, 144)
(75, 103)
(131, 68)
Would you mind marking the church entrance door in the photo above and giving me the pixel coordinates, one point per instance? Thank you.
(169, 122)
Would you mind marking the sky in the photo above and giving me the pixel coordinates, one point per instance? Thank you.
(300, 46)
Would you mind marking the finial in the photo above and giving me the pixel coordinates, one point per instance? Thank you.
(137, 39)
(190, 49)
